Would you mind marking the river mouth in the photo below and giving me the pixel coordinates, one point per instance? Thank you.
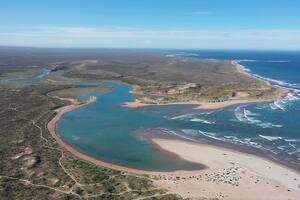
(109, 132)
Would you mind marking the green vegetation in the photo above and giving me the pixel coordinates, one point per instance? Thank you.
(33, 166)
(164, 80)
(74, 91)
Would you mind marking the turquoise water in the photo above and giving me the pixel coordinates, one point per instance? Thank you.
(110, 132)
(272, 127)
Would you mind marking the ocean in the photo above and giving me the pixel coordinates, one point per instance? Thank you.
(113, 133)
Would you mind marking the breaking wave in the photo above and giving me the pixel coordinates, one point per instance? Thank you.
(171, 132)
(182, 116)
(270, 138)
(193, 118)
(283, 103)
(202, 121)
(268, 61)
(273, 144)
(246, 116)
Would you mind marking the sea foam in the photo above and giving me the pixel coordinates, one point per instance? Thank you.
(202, 121)
(270, 138)
(246, 116)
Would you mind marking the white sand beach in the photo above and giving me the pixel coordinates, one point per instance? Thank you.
(230, 174)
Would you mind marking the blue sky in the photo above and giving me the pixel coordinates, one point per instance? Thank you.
(204, 24)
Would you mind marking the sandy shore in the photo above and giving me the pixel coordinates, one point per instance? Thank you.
(200, 105)
(282, 92)
(52, 127)
(230, 174)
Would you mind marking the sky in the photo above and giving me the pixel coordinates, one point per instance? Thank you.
(178, 24)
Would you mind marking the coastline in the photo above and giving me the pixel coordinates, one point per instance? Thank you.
(282, 92)
(52, 127)
(229, 173)
(199, 105)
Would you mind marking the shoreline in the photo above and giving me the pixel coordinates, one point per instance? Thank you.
(230, 173)
(227, 146)
(283, 92)
(52, 127)
(199, 105)
(244, 172)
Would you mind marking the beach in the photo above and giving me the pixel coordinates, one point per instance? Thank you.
(230, 174)
(210, 105)
(240, 99)
(52, 127)
(199, 105)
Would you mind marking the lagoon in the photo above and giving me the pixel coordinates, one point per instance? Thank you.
(115, 134)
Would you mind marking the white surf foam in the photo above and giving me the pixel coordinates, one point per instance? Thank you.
(182, 116)
(279, 104)
(210, 135)
(167, 131)
(202, 121)
(270, 138)
(190, 132)
(246, 116)
(271, 61)
(293, 96)
(285, 102)
(239, 113)
(292, 140)
(270, 125)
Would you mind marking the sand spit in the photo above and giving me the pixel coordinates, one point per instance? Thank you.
(230, 174)
(200, 105)
(281, 93)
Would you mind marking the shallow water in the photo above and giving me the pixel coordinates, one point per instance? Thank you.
(43, 73)
(21, 81)
(110, 132)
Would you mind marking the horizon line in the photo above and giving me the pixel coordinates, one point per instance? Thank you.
(146, 48)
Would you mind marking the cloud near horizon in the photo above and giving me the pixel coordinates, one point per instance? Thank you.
(152, 38)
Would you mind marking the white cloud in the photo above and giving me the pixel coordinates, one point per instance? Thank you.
(154, 38)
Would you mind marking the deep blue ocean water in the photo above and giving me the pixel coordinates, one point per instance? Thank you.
(110, 132)
(273, 127)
